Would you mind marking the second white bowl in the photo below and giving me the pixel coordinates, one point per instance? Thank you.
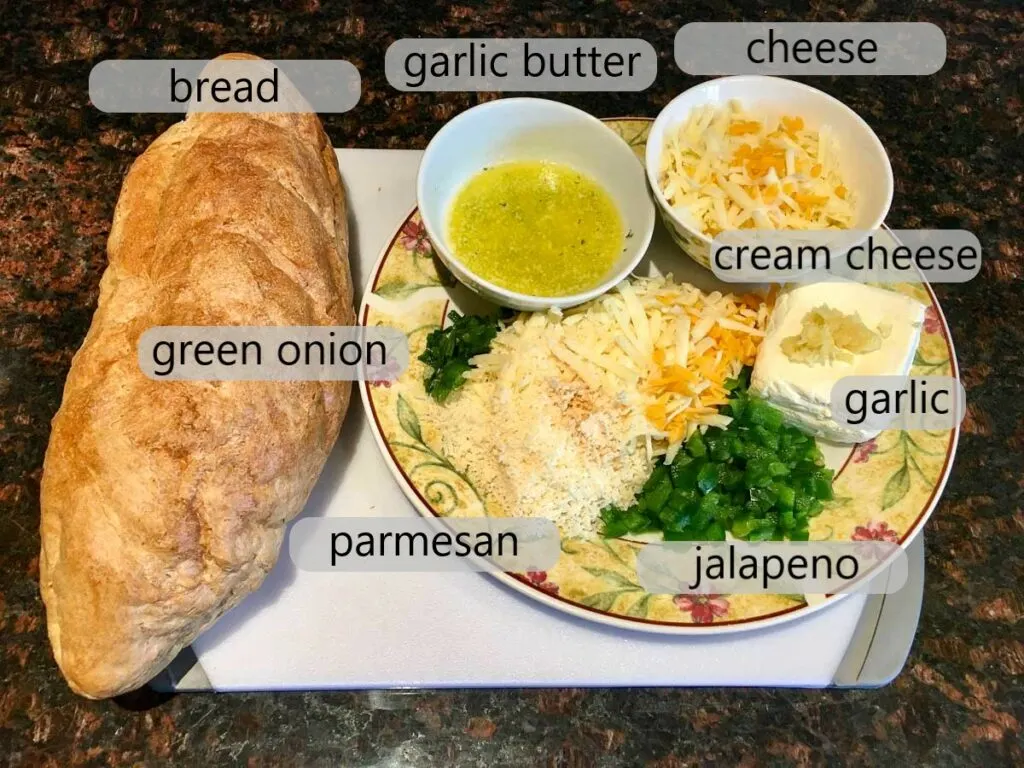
(865, 165)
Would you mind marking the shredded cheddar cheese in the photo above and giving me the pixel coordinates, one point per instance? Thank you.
(724, 168)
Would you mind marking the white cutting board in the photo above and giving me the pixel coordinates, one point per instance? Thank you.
(305, 630)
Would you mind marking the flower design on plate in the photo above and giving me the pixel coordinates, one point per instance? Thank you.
(539, 579)
(862, 452)
(703, 609)
(877, 530)
(413, 237)
(932, 322)
(384, 375)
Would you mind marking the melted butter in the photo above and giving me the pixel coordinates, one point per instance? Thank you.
(538, 228)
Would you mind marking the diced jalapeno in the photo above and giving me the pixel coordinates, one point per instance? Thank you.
(759, 479)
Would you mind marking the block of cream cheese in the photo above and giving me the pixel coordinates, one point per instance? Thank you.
(803, 391)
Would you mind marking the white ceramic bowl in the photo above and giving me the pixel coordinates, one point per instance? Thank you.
(865, 164)
(532, 129)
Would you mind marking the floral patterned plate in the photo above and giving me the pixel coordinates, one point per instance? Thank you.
(884, 489)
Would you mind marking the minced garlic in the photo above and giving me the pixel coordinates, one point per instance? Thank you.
(827, 334)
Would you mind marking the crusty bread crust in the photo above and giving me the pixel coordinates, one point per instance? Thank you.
(165, 503)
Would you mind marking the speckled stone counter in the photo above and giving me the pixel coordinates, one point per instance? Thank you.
(955, 139)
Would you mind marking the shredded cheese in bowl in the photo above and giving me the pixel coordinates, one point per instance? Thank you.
(567, 411)
(725, 168)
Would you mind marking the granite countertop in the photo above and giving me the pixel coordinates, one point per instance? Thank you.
(955, 141)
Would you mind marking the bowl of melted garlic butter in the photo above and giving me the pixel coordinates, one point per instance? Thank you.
(534, 204)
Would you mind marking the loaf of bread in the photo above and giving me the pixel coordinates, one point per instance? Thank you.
(164, 503)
